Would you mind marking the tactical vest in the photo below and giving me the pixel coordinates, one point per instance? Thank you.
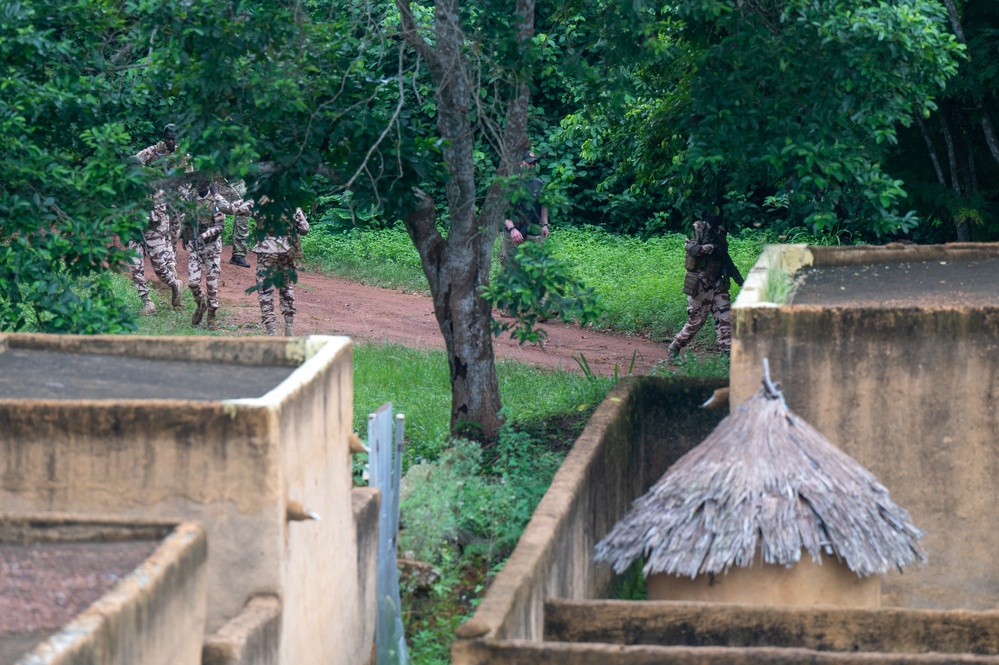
(709, 264)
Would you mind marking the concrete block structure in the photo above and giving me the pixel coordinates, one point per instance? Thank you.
(240, 435)
(906, 385)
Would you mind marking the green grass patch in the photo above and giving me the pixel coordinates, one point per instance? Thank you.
(639, 281)
(418, 385)
(377, 257)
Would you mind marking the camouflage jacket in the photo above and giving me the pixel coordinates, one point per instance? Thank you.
(710, 263)
(287, 244)
(158, 153)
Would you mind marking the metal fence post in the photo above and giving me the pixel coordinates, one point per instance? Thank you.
(385, 471)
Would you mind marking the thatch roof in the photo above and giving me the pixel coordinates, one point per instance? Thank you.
(764, 481)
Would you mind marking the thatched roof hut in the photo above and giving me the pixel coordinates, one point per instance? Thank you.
(764, 486)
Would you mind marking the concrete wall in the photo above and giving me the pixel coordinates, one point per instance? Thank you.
(252, 638)
(888, 630)
(640, 429)
(233, 465)
(523, 652)
(912, 395)
(155, 616)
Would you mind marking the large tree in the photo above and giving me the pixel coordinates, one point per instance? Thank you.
(952, 156)
(279, 93)
(796, 100)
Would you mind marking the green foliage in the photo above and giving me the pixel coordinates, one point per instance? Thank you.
(632, 584)
(968, 183)
(472, 499)
(807, 95)
(747, 100)
(535, 287)
(65, 190)
(693, 363)
(417, 384)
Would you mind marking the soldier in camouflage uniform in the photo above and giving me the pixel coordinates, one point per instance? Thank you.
(157, 240)
(706, 284)
(276, 259)
(202, 236)
(240, 232)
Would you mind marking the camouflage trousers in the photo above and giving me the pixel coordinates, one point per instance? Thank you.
(712, 298)
(205, 259)
(279, 266)
(158, 249)
(175, 224)
(240, 235)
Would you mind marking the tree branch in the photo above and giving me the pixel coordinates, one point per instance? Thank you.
(411, 34)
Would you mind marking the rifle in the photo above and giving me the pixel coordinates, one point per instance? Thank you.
(729, 268)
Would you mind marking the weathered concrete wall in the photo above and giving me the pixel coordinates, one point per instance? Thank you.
(913, 395)
(888, 630)
(155, 616)
(233, 465)
(523, 652)
(640, 429)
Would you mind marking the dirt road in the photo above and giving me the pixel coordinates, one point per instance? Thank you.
(331, 306)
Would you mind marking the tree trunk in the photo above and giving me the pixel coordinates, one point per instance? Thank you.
(986, 121)
(463, 318)
(962, 228)
(456, 267)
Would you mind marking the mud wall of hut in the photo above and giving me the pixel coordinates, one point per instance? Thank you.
(913, 395)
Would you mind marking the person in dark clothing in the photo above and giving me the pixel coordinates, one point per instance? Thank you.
(527, 217)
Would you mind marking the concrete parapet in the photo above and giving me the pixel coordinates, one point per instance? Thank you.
(252, 638)
(154, 616)
(525, 652)
(274, 435)
(909, 391)
(887, 630)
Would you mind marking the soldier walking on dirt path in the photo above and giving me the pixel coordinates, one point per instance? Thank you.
(706, 284)
(240, 231)
(203, 239)
(157, 239)
(275, 267)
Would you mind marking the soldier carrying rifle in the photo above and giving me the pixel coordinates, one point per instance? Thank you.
(709, 272)
(202, 236)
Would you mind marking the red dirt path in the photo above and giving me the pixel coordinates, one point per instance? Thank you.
(331, 306)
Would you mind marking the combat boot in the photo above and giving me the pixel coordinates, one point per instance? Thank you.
(271, 328)
(289, 327)
(210, 321)
(199, 310)
(239, 261)
(673, 353)
(178, 295)
(148, 308)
